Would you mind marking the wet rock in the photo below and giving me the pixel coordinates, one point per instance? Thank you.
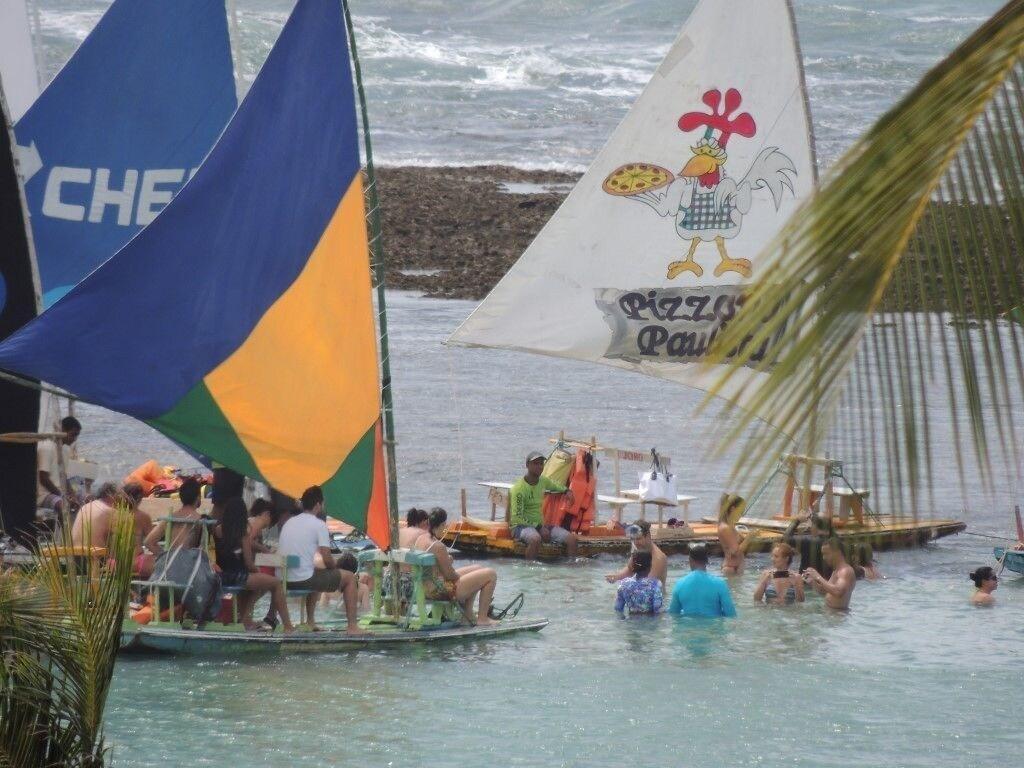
(460, 224)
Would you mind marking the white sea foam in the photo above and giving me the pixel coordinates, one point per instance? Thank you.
(380, 42)
(947, 19)
(73, 25)
(520, 163)
(541, 85)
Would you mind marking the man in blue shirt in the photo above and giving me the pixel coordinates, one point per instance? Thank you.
(699, 593)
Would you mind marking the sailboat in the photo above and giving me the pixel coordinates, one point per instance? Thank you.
(119, 129)
(108, 142)
(276, 373)
(649, 255)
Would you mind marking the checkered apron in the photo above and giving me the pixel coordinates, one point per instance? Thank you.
(701, 214)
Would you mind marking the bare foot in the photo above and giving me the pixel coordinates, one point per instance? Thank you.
(313, 628)
(356, 632)
(487, 622)
(289, 629)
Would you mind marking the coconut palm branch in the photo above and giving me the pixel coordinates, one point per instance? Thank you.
(925, 212)
(60, 625)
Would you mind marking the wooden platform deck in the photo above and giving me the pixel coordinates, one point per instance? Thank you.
(477, 537)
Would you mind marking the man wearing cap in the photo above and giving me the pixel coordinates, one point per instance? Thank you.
(526, 510)
(640, 536)
(699, 593)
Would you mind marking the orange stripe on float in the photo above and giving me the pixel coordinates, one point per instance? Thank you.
(303, 388)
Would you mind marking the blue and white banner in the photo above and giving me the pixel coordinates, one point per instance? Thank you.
(120, 130)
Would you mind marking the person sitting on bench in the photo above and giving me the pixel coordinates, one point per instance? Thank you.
(184, 535)
(305, 535)
(236, 560)
(443, 582)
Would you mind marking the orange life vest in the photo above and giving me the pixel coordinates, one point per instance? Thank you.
(148, 475)
(578, 516)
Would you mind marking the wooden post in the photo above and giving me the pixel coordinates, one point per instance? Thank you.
(463, 504)
(805, 491)
(787, 497)
(618, 478)
(826, 489)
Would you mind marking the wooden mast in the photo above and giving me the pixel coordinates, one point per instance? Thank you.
(377, 265)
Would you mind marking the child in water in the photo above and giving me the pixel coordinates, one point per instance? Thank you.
(986, 581)
(639, 593)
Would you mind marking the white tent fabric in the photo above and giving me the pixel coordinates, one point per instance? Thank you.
(17, 59)
(602, 282)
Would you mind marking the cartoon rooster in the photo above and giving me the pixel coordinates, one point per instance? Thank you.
(707, 204)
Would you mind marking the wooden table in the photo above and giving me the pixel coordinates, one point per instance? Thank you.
(682, 502)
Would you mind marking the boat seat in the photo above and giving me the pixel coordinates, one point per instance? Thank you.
(282, 563)
(421, 612)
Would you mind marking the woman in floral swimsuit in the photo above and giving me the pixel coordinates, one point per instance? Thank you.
(639, 593)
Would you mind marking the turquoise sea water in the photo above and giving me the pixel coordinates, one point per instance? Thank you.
(910, 677)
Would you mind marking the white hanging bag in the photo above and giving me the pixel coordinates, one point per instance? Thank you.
(657, 485)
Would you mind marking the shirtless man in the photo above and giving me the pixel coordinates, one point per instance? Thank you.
(92, 523)
(182, 534)
(838, 588)
(640, 534)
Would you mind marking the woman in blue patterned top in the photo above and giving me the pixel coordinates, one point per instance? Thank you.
(639, 593)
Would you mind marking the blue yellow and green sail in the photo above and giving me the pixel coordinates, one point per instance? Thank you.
(241, 321)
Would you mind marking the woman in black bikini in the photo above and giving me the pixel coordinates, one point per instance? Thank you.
(779, 585)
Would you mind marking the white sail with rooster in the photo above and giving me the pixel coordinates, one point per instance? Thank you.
(648, 255)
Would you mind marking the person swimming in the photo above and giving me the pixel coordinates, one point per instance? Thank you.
(986, 581)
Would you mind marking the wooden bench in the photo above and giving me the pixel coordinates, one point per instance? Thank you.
(422, 612)
(282, 563)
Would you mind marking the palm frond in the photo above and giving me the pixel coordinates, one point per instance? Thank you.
(60, 628)
(924, 215)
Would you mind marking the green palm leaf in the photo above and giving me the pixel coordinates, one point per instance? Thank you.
(60, 625)
(925, 212)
